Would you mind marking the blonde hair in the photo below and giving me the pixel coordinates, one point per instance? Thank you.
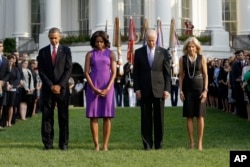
(195, 42)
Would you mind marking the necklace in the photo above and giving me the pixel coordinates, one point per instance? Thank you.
(188, 68)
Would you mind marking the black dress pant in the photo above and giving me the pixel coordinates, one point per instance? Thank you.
(152, 120)
(47, 131)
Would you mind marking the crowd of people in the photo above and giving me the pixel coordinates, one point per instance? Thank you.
(20, 86)
(228, 84)
(202, 82)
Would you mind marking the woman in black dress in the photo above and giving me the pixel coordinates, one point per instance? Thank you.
(193, 82)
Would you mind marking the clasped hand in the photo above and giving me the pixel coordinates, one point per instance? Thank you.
(56, 89)
(103, 92)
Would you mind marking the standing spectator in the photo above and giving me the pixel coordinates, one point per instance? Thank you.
(11, 85)
(211, 86)
(193, 88)
(216, 83)
(174, 88)
(231, 101)
(27, 96)
(246, 83)
(71, 86)
(189, 27)
(37, 93)
(119, 83)
(237, 91)
(55, 67)
(4, 75)
(78, 93)
(16, 106)
(223, 85)
(152, 82)
(100, 72)
(129, 84)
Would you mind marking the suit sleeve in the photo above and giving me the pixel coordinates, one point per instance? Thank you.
(167, 71)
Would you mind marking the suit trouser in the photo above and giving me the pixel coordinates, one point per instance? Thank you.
(47, 131)
(152, 115)
(174, 95)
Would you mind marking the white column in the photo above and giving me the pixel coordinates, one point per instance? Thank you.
(22, 18)
(163, 11)
(219, 37)
(104, 12)
(214, 14)
(53, 14)
(243, 12)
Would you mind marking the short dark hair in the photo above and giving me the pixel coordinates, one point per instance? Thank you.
(54, 30)
(104, 36)
(238, 52)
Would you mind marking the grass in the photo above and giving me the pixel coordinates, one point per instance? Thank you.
(20, 145)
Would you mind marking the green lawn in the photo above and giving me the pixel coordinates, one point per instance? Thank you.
(20, 145)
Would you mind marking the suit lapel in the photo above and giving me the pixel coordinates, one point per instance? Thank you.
(146, 57)
(156, 56)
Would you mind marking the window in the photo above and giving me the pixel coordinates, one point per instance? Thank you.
(229, 16)
(84, 16)
(185, 10)
(134, 9)
(35, 20)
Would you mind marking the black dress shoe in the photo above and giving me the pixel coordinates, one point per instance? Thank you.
(63, 147)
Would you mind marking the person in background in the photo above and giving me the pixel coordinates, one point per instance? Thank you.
(236, 84)
(78, 93)
(71, 86)
(100, 72)
(4, 76)
(129, 84)
(27, 96)
(223, 84)
(193, 80)
(119, 83)
(152, 82)
(174, 88)
(55, 67)
(246, 83)
(11, 85)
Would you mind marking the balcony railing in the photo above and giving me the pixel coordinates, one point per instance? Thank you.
(74, 37)
(241, 42)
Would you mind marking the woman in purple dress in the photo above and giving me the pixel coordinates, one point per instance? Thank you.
(100, 72)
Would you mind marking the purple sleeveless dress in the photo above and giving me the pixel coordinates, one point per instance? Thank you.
(98, 106)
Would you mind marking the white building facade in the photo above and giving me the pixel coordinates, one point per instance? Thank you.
(17, 19)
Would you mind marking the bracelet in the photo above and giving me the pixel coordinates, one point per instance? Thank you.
(181, 92)
(206, 90)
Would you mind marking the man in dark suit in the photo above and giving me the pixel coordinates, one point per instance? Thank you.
(236, 82)
(152, 82)
(55, 66)
(4, 76)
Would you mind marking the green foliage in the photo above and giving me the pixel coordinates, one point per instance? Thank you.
(183, 37)
(68, 40)
(21, 144)
(9, 45)
(204, 39)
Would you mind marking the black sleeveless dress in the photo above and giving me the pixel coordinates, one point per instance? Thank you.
(192, 87)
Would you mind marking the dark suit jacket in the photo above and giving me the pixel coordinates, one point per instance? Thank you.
(236, 73)
(58, 74)
(4, 69)
(156, 79)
